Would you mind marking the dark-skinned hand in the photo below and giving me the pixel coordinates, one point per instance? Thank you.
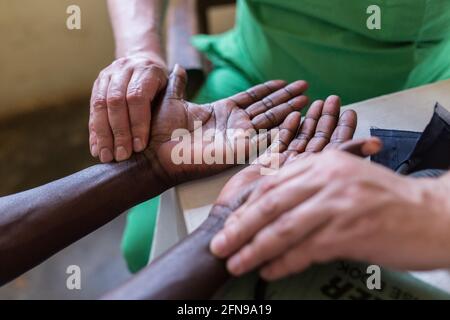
(264, 106)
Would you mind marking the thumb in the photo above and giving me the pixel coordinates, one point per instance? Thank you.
(362, 147)
(177, 83)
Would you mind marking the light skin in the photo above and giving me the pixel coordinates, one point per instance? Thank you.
(124, 92)
(337, 206)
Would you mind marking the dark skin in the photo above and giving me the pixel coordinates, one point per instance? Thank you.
(262, 107)
(202, 273)
(37, 223)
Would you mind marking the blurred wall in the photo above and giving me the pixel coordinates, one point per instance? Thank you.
(42, 63)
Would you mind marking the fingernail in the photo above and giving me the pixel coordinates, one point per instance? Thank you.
(106, 155)
(138, 146)
(218, 244)
(371, 147)
(234, 265)
(94, 150)
(121, 154)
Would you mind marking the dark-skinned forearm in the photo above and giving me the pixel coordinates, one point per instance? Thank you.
(39, 222)
(187, 271)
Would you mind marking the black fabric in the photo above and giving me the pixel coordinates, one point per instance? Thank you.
(412, 152)
(397, 146)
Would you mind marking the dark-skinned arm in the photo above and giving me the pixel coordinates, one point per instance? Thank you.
(37, 223)
(187, 271)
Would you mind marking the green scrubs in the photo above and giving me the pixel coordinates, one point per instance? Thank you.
(327, 43)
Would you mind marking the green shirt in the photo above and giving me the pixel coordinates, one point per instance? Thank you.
(328, 43)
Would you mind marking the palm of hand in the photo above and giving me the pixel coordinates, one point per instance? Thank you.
(262, 107)
(321, 129)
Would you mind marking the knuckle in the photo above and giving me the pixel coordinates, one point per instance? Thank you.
(267, 185)
(157, 69)
(252, 94)
(136, 97)
(352, 191)
(140, 128)
(233, 235)
(285, 227)
(103, 136)
(148, 66)
(115, 100)
(120, 133)
(99, 102)
(91, 124)
(121, 61)
(268, 207)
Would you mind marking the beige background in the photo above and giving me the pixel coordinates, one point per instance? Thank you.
(42, 63)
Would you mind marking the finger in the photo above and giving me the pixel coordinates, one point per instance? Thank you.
(277, 139)
(277, 237)
(273, 117)
(256, 93)
(319, 245)
(362, 147)
(297, 168)
(325, 125)
(142, 89)
(345, 129)
(176, 86)
(287, 132)
(295, 260)
(92, 136)
(93, 140)
(101, 126)
(257, 214)
(282, 95)
(118, 114)
(307, 129)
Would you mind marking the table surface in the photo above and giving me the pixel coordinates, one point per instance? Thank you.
(185, 207)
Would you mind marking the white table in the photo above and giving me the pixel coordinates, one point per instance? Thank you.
(184, 208)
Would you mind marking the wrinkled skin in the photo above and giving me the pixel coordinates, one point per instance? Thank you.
(120, 110)
(200, 267)
(336, 206)
(262, 107)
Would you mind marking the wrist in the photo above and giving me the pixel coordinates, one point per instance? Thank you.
(216, 219)
(150, 48)
(140, 178)
(148, 55)
(155, 173)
